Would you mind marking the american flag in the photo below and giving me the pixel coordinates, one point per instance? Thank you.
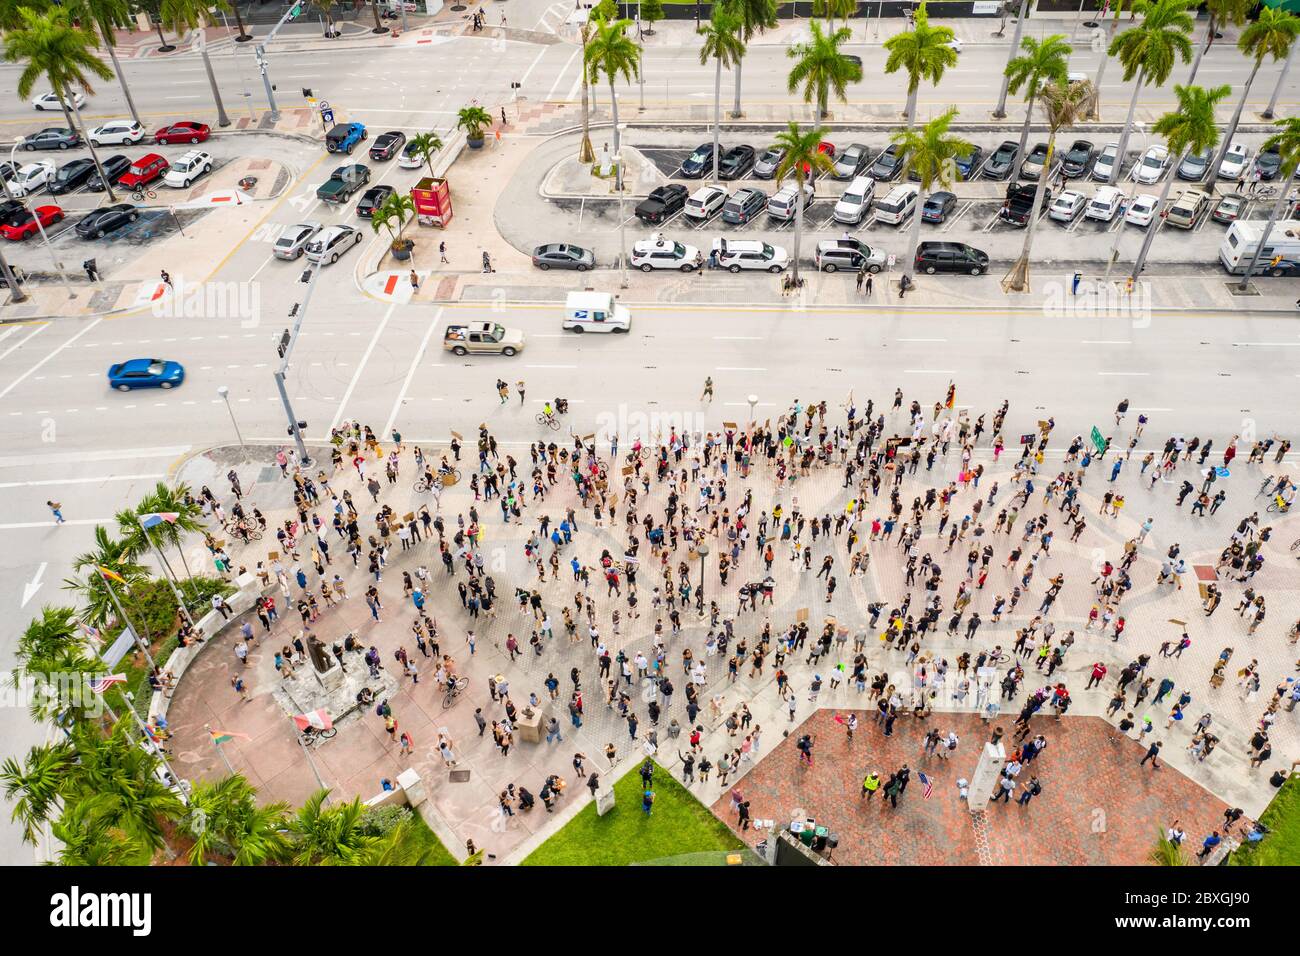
(927, 783)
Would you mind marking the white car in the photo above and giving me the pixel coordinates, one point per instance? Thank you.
(293, 241)
(954, 44)
(705, 202)
(1068, 206)
(737, 254)
(856, 200)
(48, 101)
(1105, 204)
(1142, 210)
(1234, 162)
(188, 168)
(117, 133)
(661, 253)
(331, 243)
(408, 158)
(1151, 166)
(1102, 167)
(32, 178)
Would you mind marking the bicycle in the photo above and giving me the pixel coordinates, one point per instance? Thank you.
(455, 688)
(549, 420)
(442, 479)
(1278, 505)
(997, 657)
(311, 735)
(1263, 192)
(249, 528)
(140, 193)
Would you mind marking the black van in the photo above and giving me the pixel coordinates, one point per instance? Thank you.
(932, 257)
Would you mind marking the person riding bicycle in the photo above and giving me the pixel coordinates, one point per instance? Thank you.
(547, 411)
(444, 467)
(237, 512)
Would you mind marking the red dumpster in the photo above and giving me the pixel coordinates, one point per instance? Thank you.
(432, 201)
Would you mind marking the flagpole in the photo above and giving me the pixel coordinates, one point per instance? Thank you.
(156, 748)
(312, 763)
(134, 633)
(185, 612)
(229, 769)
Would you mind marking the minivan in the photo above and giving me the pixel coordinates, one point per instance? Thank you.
(932, 257)
(1186, 208)
(784, 205)
(855, 201)
(895, 208)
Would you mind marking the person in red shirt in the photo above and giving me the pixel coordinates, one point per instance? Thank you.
(1098, 674)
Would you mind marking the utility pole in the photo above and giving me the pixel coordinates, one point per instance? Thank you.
(299, 310)
(260, 52)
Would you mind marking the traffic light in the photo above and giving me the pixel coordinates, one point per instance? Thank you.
(294, 311)
(284, 343)
(306, 276)
(302, 429)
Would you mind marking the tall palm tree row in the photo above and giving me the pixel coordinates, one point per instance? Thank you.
(1064, 104)
(723, 45)
(1001, 110)
(928, 152)
(1188, 129)
(1222, 13)
(756, 16)
(821, 68)
(585, 153)
(107, 16)
(923, 53)
(1148, 53)
(611, 53)
(181, 15)
(1287, 143)
(1111, 30)
(1046, 60)
(1272, 35)
(802, 160)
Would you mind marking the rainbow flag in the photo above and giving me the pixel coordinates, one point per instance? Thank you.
(226, 736)
(113, 575)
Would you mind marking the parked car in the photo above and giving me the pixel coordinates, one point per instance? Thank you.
(937, 206)
(766, 165)
(32, 177)
(293, 241)
(854, 203)
(783, 206)
(20, 225)
(736, 162)
(72, 175)
(660, 253)
(1077, 158)
(744, 205)
(386, 145)
(188, 131)
(331, 243)
(705, 202)
(1187, 208)
(345, 137)
(372, 199)
(1268, 164)
(145, 373)
(343, 182)
(966, 165)
(52, 137)
(1234, 161)
(1151, 166)
(50, 101)
(410, 158)
(737, 254)
(1018, 207)
(559, 255)
(1142, 210)
(143, 171)
(1032, 167)
(1068, 206)
(117, 133)
(700, 162)
(1105, 162)
(887, 164)
(851, 161)
(100, 222)
(1192, 169)
(662, 204)
(1105, 203)
(848, 254)
(188, 168)
(932, 257)
(114, 167)
(1230, 208)
(1000, 163)
(1282, 269)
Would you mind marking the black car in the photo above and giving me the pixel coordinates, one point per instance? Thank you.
(932, 257)
(387, 144)
(1019, 203)
(10, 208)
(937, 206)
(736, 162)
(1003, 158)
(114, 167)
(1077, 158)
(700, 161)
(103, 221)
(372, 199)
(1268, 163)
(662, 204)
(55, 137)
(887, 164)
(966, 165)
(71, 175)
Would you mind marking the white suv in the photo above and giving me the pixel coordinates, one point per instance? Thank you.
(661, 253)
(117, 133)
(737, 254)
(188, 168)
(705, 202)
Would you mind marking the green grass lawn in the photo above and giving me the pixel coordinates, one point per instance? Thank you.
(438, 855)
(680, 824)
(1282, 846)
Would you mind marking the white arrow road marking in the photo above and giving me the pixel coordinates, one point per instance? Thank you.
(34, 585)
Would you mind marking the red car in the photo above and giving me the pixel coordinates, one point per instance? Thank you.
(144, 170)
(23, 222)
(822, 147)
(187, 132)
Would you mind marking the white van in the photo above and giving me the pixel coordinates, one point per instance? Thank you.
(855, 202)
(595, 312)
(784, 205)
(1238, 246)
(895, 208)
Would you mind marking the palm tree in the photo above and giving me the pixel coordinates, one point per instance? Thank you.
(329, 836)
(1001, 109)
(612, 53)
(721, 43)
(34, 787)
(1222, 13)
(1043, 61)
(1105, 56)
(929, 153)
(182, 15)
(756, 16)
(225, 819)
(1148, 52)
(85, 836)
(821, 68)
(1189, 129)
(585, 153)
(923, 53)
(397, 207)
(802, 160)
(112, 553)
(1272, 34)
(163, 500)
(326, 9)
(107, 15)
(424, 146)
(1287, 143)
(52, 47)
(830, 9)
(11, 19)
(1281, 79)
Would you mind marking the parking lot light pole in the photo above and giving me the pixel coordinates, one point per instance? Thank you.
(58, 266)
(225, 394)
(1138, 127)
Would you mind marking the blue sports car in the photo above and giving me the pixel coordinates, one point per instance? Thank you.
(145, 373)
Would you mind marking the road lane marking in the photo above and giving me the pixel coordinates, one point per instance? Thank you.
(410, 373)
(21, 378)
(79, 481)
(361, 366)
(35, 332)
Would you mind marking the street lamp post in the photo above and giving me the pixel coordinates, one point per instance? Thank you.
(225, 394)
(58, 265)
(298, 312)
(621, 185)
(702, 549)
(753, 403)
